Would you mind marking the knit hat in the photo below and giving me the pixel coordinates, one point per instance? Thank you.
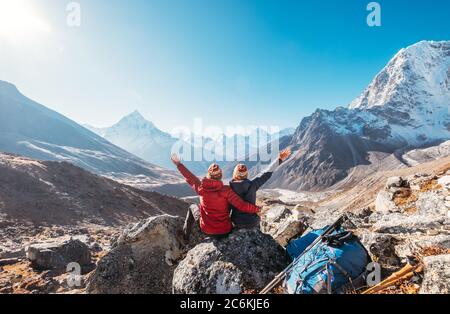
(214, 172)
(240, 172)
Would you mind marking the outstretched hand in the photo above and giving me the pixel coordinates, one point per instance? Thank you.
(284, 154)
(175, 159)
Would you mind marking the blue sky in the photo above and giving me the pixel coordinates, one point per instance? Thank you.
(230, 62)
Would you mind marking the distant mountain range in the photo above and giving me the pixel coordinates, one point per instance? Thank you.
(406, 106)
(404, 109)
(32, 130)
(142, 138)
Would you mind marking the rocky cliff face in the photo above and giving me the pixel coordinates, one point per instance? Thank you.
(405, 106)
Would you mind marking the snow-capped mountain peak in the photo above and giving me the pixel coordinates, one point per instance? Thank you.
(406, 106)
(135, 120)
(141, 137)
(407, 103)
(418, 76)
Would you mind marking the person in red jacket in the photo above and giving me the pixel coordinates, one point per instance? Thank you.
(215, 201)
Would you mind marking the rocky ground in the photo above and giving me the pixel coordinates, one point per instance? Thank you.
(20, 274)
(403, 220)
(44, 203)
(407, 223)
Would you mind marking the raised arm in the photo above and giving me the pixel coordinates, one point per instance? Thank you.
(191, 179)
(260, 181)
(238, 203)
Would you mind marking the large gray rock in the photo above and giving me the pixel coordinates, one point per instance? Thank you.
(277, 213)
(56, 255)
(400, 224)
(381, 247)
(395, 187)
(384, 203)
(436, 275)
(324, 217)
(429, 217)
(247, 259)
(431, 203)
(396, 182)
(416, 243)
(284, 224)
(143, 259)
(288, 229)
(11, 253)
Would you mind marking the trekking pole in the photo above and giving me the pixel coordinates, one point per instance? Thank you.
(281, 276)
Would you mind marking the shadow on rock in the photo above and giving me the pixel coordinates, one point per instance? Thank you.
(245, 260)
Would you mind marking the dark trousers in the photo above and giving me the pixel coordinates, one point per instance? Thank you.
(189, 222)
(192, 219)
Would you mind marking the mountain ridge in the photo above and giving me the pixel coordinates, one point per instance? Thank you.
(71, 195)
(30, 129)
(136, 134)
(396, 111)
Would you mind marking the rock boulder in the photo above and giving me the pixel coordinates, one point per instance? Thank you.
(436, 275)
(288, 229)
(396, 182)
(247, 259)
(276, 214)
(142, 260)
(284, 224)
(56, 255)
(384, 203)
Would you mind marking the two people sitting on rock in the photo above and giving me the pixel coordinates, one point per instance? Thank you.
(217, 199)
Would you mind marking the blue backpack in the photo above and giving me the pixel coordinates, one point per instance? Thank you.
(335, 265)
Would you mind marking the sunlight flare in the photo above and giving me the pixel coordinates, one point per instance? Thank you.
(19, 21)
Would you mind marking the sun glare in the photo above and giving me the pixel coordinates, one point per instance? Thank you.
(20, 21)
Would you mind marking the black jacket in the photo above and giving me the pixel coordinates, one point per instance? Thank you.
(247, 189)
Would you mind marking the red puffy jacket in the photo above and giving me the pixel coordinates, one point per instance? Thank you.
(215, 200)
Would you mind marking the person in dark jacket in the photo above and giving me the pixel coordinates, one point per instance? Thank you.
(216, 200)
(247, 189)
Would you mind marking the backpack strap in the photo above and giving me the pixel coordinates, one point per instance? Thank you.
(344, 272)
(338, 239)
